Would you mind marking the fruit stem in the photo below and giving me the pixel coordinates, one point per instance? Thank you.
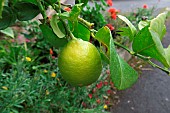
(67, 29)
(57, 9)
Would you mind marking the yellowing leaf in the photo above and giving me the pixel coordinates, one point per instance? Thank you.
(103, 35)
(167, 52)
(1, 7)
(8, 31)
(131, 26)
(157, 25)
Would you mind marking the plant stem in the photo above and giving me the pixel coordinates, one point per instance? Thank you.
(147, 59)
(67, 29)
(42, 10)
(163, 69)
(132, 52)
(88, 24)
(57, 9)
(25, 45)
(124, 47)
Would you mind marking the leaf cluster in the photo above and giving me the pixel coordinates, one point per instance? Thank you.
(66, 25)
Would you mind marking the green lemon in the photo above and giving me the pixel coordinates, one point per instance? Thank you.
(80, 63)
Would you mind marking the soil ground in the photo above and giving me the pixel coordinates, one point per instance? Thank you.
(151, 94)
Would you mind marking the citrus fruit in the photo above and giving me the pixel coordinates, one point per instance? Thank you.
(80, 63)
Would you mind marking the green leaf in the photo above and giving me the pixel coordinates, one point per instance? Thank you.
(18, 106)
(149, 45)
(54, 24)
(65, 15)
(26, 11)
(124, 31)
(72, 16)
(8, 18)
(30, 1)
(131, 26)
(103, 36)
(157, 25)
(122, 75)
(75, 12)
(54, 1)
(83, 1)
(104, 57)
(8, 31)
(143, 24)
(50, 36)
(80, 31)
(51, 1)
(1, 7)
(167, 52)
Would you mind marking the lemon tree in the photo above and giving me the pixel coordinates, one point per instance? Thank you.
(80, 61)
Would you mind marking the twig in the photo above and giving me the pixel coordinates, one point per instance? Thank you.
(163, 69)
(68, 30)
(42, 10)
(147, 59)
(88, 24)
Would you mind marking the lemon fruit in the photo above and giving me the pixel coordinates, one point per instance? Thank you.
(80, 63)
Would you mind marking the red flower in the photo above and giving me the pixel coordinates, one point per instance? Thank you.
(134, 14)
(107, 102)
(49, 17)
(98, 101)
(114, 16)
(84, 104)
(53, 57)
(109, 2)
(99, 85)
(112, 10)
(108, 72)
(105, 83)
(109, 91)
(145, 6)
(113, 13)
(111, 83)
(90, 96)
(27, 40)
(111, 28)
(94, 90)
(67, 9)
(51, 52)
